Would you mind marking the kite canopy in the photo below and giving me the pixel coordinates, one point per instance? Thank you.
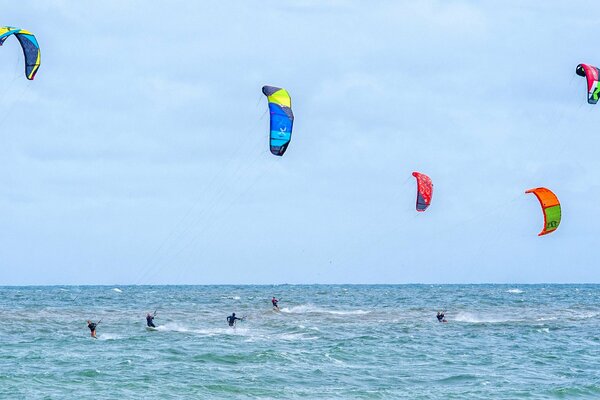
(282, 118)
(424, 191)
(31, 49)
(550, 208)
(591, 74)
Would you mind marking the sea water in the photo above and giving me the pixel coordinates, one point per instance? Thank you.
(326, 342)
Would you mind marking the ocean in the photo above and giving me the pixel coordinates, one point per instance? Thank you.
(326, 342)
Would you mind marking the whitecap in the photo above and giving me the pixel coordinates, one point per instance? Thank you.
(516, 291)
(476, 319)
(295, 337)
(226, 330)
(172, 327)
(109, 336)
(311, 309)
(335, 360)
(546, 319)
(117, 290)
(584, 315)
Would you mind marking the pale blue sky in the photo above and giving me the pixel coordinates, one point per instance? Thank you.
(140, 154)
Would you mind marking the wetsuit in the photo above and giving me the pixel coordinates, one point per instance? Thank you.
(440, 317)
(92, 327)
(231, 320)
(275, 301)
(149, 321)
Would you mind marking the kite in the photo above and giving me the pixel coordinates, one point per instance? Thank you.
(591, 74)
(31, 49)
(550, 208)
(282, 118)
(424, 191)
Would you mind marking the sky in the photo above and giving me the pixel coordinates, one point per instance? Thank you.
(139, 154)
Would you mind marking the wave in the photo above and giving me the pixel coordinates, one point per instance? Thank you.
(516, 291)
(175, 327)
(172, 327)
(583, 315)
(117, 290)
(89, 373)
(458, 378)
(109, 336)
(222, 331)
(333, 359)
(476, 319)
(251, 334)
(547, 319)
(311, 309)
(294, 337)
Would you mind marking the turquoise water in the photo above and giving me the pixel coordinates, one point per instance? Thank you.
(328, 341)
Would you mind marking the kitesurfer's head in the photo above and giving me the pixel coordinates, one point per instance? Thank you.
(233, 315)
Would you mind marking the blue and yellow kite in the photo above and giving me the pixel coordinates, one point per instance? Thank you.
(30, 46)
(282, 118)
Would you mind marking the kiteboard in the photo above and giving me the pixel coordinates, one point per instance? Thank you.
(276, 309)
(151, 329)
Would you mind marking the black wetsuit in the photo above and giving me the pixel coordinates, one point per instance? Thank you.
(231, 320)
(92, 326)
(149, 321)
(440, 317)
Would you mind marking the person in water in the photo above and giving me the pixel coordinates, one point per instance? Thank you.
(92, 326)
(232, 318)
(150, 320)
(275, 301)
(440, 316)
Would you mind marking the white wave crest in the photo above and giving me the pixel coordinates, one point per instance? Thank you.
(117, 290)
(311, 309)
(172, 327)
(226, 330)
(477, 319)
(547, 319)
(109, 336)
(584, 315)
(517, 291)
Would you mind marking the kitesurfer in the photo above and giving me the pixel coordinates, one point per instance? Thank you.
(92, 326)
(232, 318)
(440, 316)
(275, 301)
(150, 320)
